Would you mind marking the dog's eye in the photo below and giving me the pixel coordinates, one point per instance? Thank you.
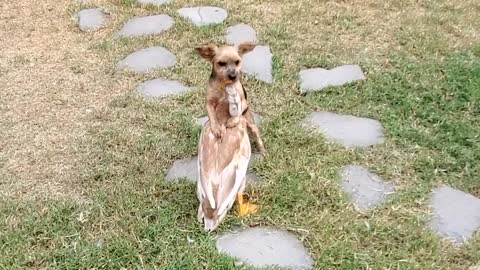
(237, 62)
(222, 64)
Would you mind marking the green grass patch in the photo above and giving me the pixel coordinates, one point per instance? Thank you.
(425, 94)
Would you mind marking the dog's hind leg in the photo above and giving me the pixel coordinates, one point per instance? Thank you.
(254, 130)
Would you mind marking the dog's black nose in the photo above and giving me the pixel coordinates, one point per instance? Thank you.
(232, 77)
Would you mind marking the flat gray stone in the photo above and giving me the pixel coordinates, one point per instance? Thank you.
(188, 169)
(456, 214)
(183, 169)
(201, 16)
(262, 247)
(91, 19)
(258, 64)
(316, 79)
(348, 130)
(147, 60)
(202, 120)
(240, 33)
(366, 189)
(150, 25)
(154, 2)
(252, 178)
(161, 88)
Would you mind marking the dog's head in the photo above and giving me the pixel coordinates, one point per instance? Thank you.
(226, 61)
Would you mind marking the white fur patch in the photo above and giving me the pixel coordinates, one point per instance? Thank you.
(234, 101)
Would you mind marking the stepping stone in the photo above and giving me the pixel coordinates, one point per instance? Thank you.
(184, 168)
(154, 2)
(202, 120)
(258, 64)
(147, 60)
(456, 214)
(201, 16)
(161, 88)
(348, 130)
(91, 19)
(188, 169)
(252, 178)
(240, 33)
(316, 79)
(366, 189)
(149, 25)
(262, 247)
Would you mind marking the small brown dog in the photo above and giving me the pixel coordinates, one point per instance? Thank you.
(224, 85)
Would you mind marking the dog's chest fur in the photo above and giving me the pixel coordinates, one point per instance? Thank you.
(222, 109)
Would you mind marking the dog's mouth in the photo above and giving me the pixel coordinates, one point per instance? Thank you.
(232, 75)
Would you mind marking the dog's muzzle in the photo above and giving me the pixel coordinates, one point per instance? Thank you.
(232, 74)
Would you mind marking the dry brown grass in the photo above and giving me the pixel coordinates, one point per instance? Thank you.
(50, 80)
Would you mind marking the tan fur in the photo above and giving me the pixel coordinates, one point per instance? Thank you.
(223, 60)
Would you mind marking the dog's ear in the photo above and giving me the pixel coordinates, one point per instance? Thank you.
(246, 47)
(207, 51)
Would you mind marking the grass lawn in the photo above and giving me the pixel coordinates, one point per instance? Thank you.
(422, 63)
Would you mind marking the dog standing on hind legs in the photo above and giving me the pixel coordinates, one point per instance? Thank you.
(226, 65)
(224, 147)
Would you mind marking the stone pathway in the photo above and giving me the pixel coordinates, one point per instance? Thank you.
(262, 247)
(240, 33)
(258, 64)
(91, 19)
(150, 25)
(154, 2)
(201, 16)
(147, 60)
(347, 130)
(366, 189)
(161, 88)
(183, 169)
(456, 215)
(316, 79)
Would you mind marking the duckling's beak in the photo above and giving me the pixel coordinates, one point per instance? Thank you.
(210, 224)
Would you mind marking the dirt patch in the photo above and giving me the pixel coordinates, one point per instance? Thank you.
(50, 83)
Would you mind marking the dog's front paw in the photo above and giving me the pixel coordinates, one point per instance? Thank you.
(216, 130)
(232, 122)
